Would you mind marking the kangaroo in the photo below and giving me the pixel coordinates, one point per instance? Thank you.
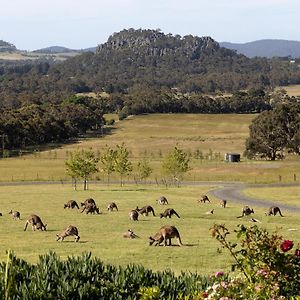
(15, 214)
(71, 204)
(145, 210)
(168, 213)
(88, 203)
(223, 203)
(36, 223)
(273, 210)
(246, 211)
(92, 209)
(129, 234)
(166, 233)
(162, 200)
(111, 206)
(203, 199)
(71, 230)
(134, 215)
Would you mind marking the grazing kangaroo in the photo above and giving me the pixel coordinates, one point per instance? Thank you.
(223, 203)
(91, 209)
(134, 215)
(111, 206)
(166, 233)
(273, 210)
(162, 201)
(15, 214)
(88, 203)
(203, 199)
(168, 213)
(145, 210)
(35, 222)
(129, 234)
(71, 230)
(71, 204)
(246, 211)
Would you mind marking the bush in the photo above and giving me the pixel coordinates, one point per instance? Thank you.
(270, 268)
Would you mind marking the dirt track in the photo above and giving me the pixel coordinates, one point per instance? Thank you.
(233, 192)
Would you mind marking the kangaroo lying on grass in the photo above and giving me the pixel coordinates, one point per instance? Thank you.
(111, 206)
(145, 210)
(15, 214)
(71, 204)
(35, 222)
(71, 230)
(129, 234)
(246, 211)
(273, 210)
(162, 200)
(168, 213)
(166, 233)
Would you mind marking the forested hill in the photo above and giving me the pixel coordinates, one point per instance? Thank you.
(144, 58)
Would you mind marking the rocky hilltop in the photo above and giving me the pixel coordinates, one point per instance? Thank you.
(156, 43)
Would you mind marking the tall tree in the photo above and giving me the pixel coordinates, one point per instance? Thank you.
(143, 168)
(267, 136)
(122, 164)
(107, 160)
(82, 164)
(176, 163)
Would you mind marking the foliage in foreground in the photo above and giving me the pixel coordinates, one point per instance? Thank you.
(87, 277)
(270, 268)
(265, 267)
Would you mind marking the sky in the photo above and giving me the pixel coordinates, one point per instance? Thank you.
(77, 24)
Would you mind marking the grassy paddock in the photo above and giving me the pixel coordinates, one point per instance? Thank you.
(102, 234)
(152, 136)
(285, 195)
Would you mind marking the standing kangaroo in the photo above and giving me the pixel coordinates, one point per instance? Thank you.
(223, 203)
(145, 210)
(273, 210)
(35, 222)
(71, 230)
(15, 214)
(162, 200)
(134, 215)
(246, 211)
(166, 233)
(168, 213)
(111, 206)
(71, 204)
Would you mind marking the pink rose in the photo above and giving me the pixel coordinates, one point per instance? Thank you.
(219, 274)
(286, 245)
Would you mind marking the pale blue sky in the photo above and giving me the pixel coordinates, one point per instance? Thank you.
(34, 24)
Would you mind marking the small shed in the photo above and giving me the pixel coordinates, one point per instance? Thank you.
(232, 157)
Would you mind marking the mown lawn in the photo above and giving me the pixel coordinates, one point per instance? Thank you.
(102, 234)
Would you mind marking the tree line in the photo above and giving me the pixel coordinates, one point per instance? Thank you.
(82, 164)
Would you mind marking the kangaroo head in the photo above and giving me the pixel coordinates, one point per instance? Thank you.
(10, 212)
(151, 240)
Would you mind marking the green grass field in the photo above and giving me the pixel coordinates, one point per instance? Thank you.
(152, 136)
(102, 234)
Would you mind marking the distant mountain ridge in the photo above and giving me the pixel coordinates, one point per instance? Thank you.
(266, 48)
